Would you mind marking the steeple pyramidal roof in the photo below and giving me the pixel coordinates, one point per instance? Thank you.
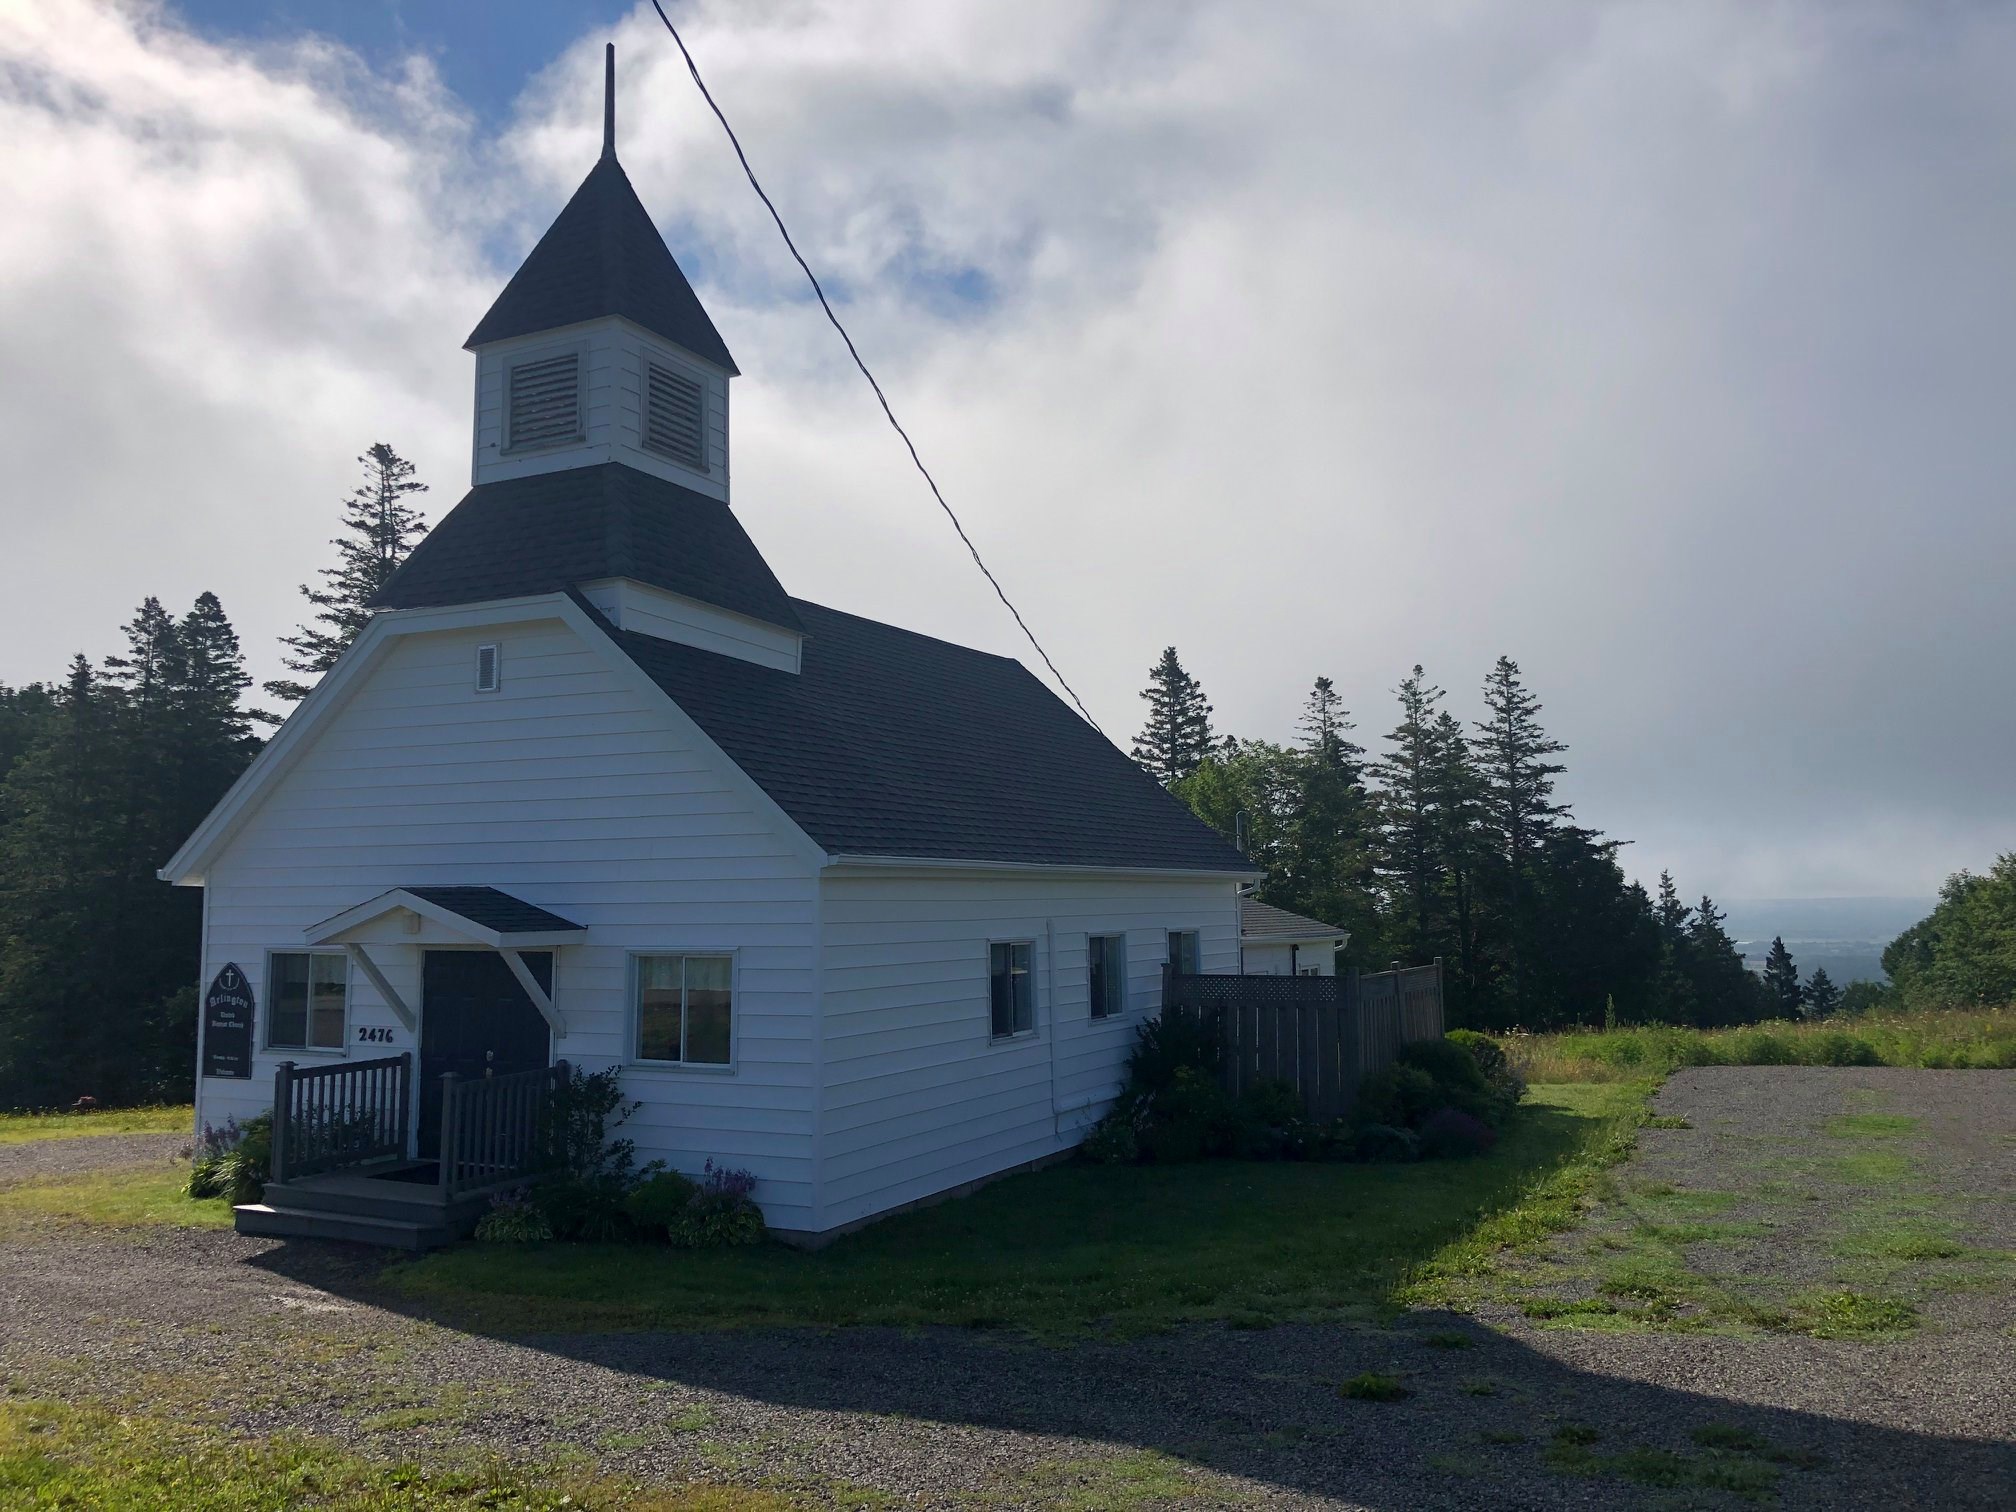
(603, 256)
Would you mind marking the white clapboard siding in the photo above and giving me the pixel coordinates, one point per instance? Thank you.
(918, 1097)
(568, 788)
(614, 359)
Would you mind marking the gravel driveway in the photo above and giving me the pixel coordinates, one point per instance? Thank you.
(295, 1336)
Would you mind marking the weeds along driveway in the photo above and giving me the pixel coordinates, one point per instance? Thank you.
(260, 1337)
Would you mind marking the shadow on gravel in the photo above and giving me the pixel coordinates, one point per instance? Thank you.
(1487, 1421)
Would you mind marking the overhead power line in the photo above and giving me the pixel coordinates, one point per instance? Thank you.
(880, 397)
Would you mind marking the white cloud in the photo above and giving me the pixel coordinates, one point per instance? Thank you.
(1664, 347)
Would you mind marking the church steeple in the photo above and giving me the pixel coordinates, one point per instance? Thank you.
(598, 350)
(601, 444)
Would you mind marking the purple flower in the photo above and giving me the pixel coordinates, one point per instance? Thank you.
(721, 1181)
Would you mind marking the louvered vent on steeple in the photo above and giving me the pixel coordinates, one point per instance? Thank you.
(545, 402)
(674, 416)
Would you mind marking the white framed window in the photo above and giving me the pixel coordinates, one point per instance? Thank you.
(489, 668)
(307, 1000)
(543, 402)
(683, 1010)
(1106, 974)
(675, 415)
(1011, 988)
(1185, 953)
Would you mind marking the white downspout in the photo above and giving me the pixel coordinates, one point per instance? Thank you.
(1050, 971)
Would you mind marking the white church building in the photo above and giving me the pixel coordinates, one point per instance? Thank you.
(872, 915)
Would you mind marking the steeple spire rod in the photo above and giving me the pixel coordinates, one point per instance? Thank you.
(609, 101)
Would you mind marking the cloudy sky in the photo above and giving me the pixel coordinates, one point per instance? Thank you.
(1667, 348)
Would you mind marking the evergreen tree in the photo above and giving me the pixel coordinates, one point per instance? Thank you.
(1724, 989)
(1672, 999)
(1781, 980)
(61, 859)
(1823, 998)
(1177, 736)
(380, 530)
(1413, 864)
(98, 956)
(1326, 868)
(1457, 794)
(1512, 752)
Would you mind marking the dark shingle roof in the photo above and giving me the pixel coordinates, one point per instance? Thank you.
(551, 531)
(890, 743)
(1261, 921)
(602, 256)
(491, 909)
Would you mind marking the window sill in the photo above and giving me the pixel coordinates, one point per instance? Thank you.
(316, 1052)
(678, 1068)
(1016, 1038)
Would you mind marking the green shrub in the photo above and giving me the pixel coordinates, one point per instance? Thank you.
(1452, 1067)
(1504, 1082)
(658, 1202)
(1397, 1096)
(1171, 1043)
(1189, 1119)
(1384, 1142)
(1114, 1140)
(513, 1219)
(1268, 1123)
(591, 1209)
(722, 1212)
(233, 1162)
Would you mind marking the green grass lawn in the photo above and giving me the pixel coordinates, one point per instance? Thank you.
(1077, 1247)
(23, 1128)
(58, 1456)
(132, 1197)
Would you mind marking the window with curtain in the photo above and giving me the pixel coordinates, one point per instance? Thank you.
(307, 999)
(685, 1009)
(1012, 988)
(1106, 970)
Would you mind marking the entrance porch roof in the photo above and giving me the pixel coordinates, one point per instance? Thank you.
(481, 915)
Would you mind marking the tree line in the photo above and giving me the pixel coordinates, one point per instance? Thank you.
(1449, 841)
(103, 775)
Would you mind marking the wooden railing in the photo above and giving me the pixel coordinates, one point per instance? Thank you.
(491, 1128)
(329, 1117)
(1321, 1035)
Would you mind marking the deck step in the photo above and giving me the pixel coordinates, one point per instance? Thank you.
(388, 1200)
(283, 1222)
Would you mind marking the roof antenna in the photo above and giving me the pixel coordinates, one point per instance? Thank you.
(609, 101)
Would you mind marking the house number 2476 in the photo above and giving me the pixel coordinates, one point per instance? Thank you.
(373, 1035)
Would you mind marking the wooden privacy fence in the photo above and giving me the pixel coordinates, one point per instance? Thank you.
(329, 1117)
(1321, 1035)
(491, 1126)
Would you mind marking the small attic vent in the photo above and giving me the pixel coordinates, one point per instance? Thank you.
(546, 402)
(486, 669)
(673, 409)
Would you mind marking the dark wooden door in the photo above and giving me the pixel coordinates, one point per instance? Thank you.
(476, 1021)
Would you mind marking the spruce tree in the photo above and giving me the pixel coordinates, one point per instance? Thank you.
(1672, 999)
(1456, 794)
(1723, 987)
(380, 530)
(1327, 850)
(1823, 998)
(1412, 863)
(1512, 752)
(1177, 736)
(62, 859)
(1781, 980)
